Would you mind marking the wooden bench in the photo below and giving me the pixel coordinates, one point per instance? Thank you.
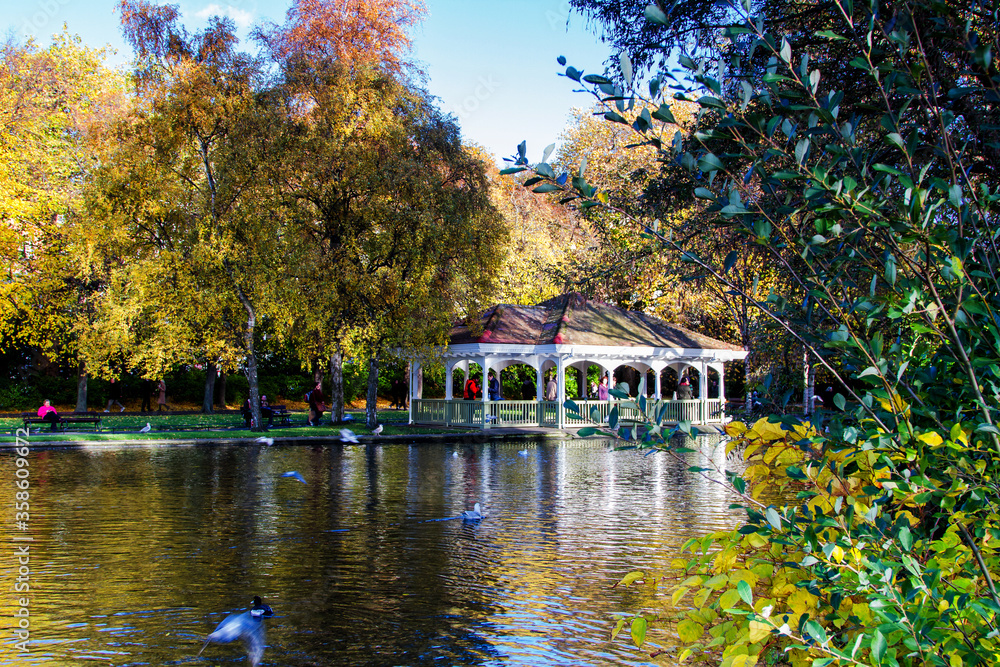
(65, 420)
(281, 413)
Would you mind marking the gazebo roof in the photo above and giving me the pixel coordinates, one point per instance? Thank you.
(573, 319)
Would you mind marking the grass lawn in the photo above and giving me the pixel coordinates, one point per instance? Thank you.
(197, 426)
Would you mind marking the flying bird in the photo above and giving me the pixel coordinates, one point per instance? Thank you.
(472, 515)
(146, 429)
(295, 474)
(347, 435)
(247, 626)
(265, 441)
(377, 430)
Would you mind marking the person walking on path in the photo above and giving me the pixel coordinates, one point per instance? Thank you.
(161, 400)
(316, 405)
(115, 396)
(146, 388)
(48, 413)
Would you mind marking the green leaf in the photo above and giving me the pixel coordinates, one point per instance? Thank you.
(512, 170)
(840, 401)
(596, 78)
(704, 193)
(614, 117)
(730, 261)
(639, 626)
(905, 538)
(571, 406)
(709, 162)
(654, 14)
(746, 594)
(879, 647)
(586, 431)
(547, 152)
(773, 518)
(547, 187)
(786, 51)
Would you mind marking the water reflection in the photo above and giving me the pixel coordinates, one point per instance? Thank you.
(136, 550)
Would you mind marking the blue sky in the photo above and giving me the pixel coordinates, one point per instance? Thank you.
(491, 62)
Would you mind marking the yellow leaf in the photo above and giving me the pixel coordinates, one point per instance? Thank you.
(758, 631)
(735, 429)
(717, 582)
(678, 594)
(930, 438)
(765, 430)
(689, 631)
(729, 599)
(837, 554)
(802, 602)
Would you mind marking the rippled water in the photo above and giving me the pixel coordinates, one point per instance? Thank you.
(139, 553)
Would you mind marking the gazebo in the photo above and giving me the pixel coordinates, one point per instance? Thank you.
(573, 332)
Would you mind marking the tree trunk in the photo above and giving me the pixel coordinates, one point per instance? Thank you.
(371, 405)
(336, 386)
(220, 393)
(81, 387)
(250, 369)
(208, 401)
(317, 372)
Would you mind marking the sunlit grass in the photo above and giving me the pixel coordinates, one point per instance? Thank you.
(197, 426)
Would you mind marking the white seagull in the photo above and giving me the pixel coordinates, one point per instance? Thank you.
(265, 441)
(377, 430)
(472, 515)
(295, 474)
(246, 626)
(146, 429)
(347, 435)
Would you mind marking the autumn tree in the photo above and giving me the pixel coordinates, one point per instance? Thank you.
(392, 211)
(362, 33)
(209, 254)
(52, 105)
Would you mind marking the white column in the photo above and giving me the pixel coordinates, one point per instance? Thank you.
(722, 390)
(449, 381)
(703, 391)
(411, 366)
(659, 385)
(540, 380)
(484, 364)
(560, 391)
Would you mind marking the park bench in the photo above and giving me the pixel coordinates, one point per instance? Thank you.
(280, 415)
(65, 420)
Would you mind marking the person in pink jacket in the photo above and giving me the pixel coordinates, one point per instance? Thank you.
(48, 413)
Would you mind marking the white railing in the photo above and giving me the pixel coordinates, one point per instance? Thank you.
(477, 414)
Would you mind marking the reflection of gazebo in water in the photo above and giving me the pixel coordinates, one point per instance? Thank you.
(568, 333)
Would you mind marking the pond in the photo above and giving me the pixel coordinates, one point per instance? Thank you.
(138, 553)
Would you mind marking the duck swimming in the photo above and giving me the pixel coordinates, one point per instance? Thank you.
(475, 514)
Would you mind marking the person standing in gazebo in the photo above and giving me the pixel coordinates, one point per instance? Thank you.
(602, 390)
(551, 389)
